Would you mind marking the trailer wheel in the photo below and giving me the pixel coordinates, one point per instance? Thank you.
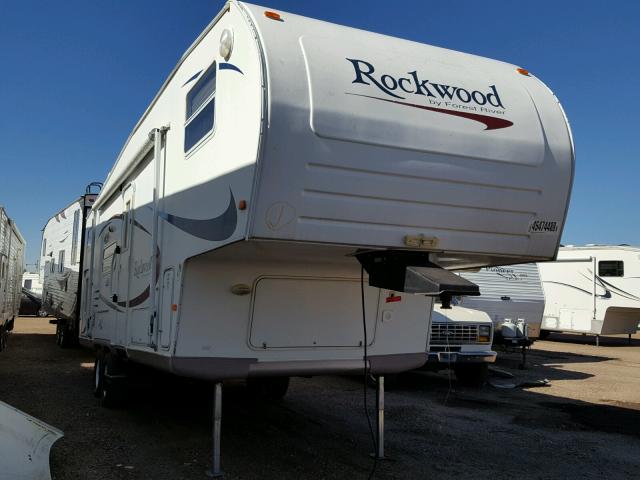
(272, 389)
(98, 374)
(472, 375)
(544, 334)
(3, 337)
(64, 338)
(114, 382)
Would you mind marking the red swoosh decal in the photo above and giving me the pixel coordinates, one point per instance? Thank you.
(134, 302)
(492, 123)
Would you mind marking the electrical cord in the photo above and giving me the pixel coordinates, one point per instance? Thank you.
(366, 379)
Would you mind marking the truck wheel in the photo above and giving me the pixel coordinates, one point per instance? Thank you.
(114, 383)
(544, 334)
(472, 375)
(272, 389)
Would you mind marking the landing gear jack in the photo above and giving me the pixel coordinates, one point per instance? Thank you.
(379, 453)
(216, 469)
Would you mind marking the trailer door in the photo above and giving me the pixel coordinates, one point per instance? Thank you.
(124, 264)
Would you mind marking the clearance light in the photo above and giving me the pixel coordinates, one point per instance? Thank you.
(273, 16)
(522, 71)
(242, 205)
(174, 307)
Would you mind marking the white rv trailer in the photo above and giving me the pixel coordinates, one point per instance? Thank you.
(510, 294)
(60, 261)
(31, 281)
(11, 267)
(593, 289)
(223, 244)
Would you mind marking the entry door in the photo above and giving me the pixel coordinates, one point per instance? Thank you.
(124, 264)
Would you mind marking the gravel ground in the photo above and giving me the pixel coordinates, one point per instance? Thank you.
(586, 425)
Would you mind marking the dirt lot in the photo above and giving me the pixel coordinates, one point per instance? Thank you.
(586, 425)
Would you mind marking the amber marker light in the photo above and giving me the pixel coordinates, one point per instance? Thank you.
(242, 205)
(174, 307)
(273, 15)
(522, 71)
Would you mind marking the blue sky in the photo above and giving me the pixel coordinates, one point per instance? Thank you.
(76, 76)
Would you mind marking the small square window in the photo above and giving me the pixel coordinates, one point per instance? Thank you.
(611, 268)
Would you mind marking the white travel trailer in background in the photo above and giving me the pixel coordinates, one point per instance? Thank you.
(511, 295)
(11, 268)
(281, 154)
(60, 261)
(593, 289)
(31, 281)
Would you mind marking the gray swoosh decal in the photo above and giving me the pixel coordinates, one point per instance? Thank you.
(212, 229)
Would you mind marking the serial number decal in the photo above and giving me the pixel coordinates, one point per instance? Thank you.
(543, 226)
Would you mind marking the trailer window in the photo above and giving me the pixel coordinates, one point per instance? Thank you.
(44, 247)
(611, 268)
(200, 110)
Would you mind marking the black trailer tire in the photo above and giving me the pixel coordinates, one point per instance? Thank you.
(3, 337)
(98, 374)
(472, 374)
(64, 338)
(544, 334)
(114, 386)
(272, 389)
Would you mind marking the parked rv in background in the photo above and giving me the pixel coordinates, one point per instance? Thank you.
(60, 262)
(11, 268)
(31, 281)
(274, 172)
(593, 289)
(512, 296)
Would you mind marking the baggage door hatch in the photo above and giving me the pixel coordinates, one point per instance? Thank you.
(303, 312)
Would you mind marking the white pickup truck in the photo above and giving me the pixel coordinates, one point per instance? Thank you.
(461, 340)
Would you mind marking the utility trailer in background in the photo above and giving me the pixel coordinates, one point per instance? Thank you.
(593, 290)
(11, 268)
(295, 189)
(60, 264)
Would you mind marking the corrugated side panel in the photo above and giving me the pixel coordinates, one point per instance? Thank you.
(519, 282)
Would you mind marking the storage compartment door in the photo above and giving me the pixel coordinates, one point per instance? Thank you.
(311, 312)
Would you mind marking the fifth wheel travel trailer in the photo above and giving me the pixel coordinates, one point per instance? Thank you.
(11, 268)
(60, 262)
(512, 296)
(593, 289)
(286, 162)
